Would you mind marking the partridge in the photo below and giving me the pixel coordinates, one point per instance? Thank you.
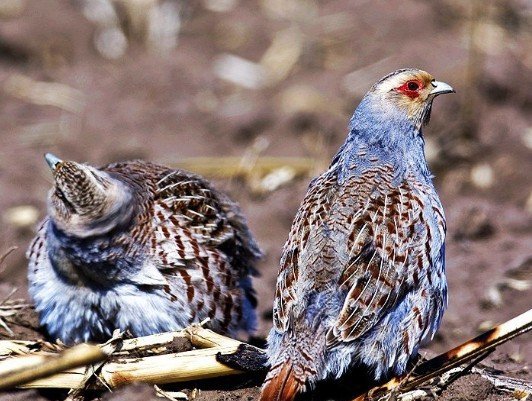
(362, 278)
(142, 248)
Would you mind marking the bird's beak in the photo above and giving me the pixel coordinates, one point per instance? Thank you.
(440, 88)
(52, 160)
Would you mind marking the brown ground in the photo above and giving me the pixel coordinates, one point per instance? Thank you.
(165, 107)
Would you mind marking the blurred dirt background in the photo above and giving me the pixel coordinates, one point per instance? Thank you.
(100, 81)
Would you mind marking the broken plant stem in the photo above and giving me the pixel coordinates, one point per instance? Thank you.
(18, 371)
(160, 340)
(20, 347)
(205, 338)
(504, 383)
(473, 348)
(231, 167)
(158, 369)
(6, 254)
(197, 335)
(466, 352)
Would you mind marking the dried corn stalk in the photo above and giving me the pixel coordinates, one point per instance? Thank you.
(71, 371)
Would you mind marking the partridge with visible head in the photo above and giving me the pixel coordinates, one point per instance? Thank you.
(139, 247)
(362, 278)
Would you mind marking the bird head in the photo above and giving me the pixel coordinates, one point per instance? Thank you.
(85, 201)
(408, 92)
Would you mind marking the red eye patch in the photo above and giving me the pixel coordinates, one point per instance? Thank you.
(411, 88)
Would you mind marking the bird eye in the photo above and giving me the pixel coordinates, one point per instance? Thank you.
(412, 86)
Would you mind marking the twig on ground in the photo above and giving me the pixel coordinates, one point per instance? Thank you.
(204, 338)
(500, 382)
(9, 308)
(231, 167)
(170, 395)
(475, 350)
(156, 343)
(21, 370)
(158, 369)
(6, 254)
(92, 371)
(504, 383)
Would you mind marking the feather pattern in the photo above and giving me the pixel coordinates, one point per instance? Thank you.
(362, 278)
(184, 254)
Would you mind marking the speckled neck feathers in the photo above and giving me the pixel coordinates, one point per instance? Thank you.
(380, 133)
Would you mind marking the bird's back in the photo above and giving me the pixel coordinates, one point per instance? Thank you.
(185, 255)
(199, 240)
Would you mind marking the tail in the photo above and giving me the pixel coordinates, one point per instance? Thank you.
(282, 384)
(297, 360)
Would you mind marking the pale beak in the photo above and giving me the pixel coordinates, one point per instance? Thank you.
(52, 160)
(440, 88)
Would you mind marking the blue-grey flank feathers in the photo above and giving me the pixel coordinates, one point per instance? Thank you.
(362, 278)
(139, 247)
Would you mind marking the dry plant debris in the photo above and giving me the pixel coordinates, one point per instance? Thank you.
(23, 369)
(6, 254)
(160, 367)
(170, 395)
(152, 359)
(440, 371)
(45, 93)
(261, 174)
(10, 308)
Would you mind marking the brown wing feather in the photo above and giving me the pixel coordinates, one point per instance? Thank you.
(313, 211)
(387, 242)
(372, 251)
(198, 239)
(203, 240)
(208, 217)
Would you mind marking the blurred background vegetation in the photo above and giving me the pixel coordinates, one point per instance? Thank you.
(241, 83)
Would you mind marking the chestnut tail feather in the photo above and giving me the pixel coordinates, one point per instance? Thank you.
(281, 385)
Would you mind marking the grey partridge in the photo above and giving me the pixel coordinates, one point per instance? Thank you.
(362, 278)
(139, 247)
